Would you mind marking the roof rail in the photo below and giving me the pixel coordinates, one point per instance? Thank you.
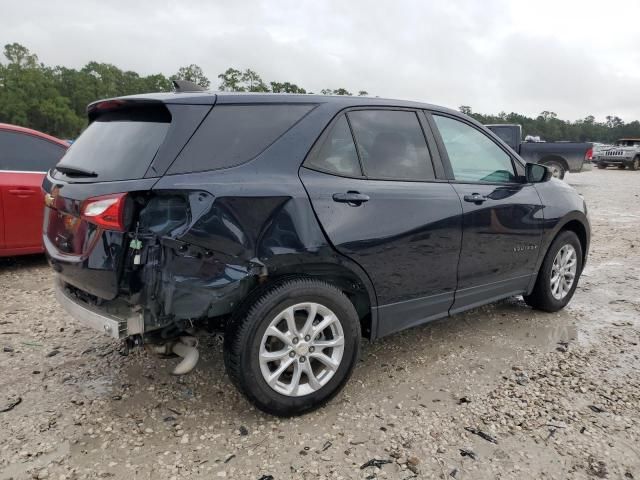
(187, 86)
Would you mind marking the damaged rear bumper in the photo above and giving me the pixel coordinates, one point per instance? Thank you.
(116, 322)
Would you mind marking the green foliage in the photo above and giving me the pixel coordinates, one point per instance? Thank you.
(286, 87)
(549, 127)
(192, 73)
(54, 99)
(231, 81)
(338, 91)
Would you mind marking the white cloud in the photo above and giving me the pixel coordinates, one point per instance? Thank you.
(573, 57)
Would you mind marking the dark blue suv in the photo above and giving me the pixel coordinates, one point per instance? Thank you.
(298, 224)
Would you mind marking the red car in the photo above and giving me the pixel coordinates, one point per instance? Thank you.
(25, 157)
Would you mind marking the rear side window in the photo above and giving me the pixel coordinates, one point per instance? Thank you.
(337, 153)
(27, 153)
(120, 145)
(391, 144)
(234, 134)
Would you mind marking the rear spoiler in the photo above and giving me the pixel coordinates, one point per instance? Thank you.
(95, 109)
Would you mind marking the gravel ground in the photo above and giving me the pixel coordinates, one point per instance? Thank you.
(499, 392)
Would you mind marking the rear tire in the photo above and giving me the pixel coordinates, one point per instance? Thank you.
(276, 350)
(549, 294)
(557, 169)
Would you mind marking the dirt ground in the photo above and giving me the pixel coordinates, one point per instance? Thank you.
(547, 395)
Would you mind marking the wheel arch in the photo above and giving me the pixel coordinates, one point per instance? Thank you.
(353, 282)
(555, 158)
(580, 230)
(576, 222)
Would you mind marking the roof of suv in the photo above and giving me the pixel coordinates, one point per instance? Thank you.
(210, 97)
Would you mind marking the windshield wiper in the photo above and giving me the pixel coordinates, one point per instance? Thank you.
(75, 171)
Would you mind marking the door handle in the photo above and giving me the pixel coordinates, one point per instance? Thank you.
(475, 198)
(354, 199)
(21, 191)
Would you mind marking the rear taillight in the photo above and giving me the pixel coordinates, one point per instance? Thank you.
(106, 211)
(589, 155)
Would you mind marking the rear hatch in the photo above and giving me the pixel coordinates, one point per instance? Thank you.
(95, 192)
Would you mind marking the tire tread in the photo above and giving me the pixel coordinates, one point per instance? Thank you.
(247, 316)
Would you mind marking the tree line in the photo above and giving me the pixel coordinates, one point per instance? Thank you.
(549, 127)
(53, 99)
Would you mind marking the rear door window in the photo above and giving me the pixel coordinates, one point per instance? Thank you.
(234, 134)
(119, 145)
(27, 153)
(336, 153)
(391, 145)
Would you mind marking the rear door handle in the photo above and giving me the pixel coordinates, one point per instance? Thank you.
(475, 198)
(352, 198)
(23, 192)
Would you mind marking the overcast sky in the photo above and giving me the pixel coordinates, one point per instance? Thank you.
(572, 57)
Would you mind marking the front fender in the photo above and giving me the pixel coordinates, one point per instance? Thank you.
(563, 209)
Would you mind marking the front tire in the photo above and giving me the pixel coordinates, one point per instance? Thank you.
(293, 347)
(621, 166)
(559, 274)
(602, 166)
(635, 164)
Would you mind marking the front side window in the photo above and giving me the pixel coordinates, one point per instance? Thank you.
(391, 145)
(337, 152)
(473, 156)
(27, 153)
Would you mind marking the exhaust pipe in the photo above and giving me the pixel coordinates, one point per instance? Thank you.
(185, 347)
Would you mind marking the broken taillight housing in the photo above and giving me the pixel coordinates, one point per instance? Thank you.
(106, 211)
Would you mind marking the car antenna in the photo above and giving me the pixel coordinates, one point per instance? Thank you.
(187, 86)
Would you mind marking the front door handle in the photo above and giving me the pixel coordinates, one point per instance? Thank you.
(475, 198)
(354, 199)
(21, 192)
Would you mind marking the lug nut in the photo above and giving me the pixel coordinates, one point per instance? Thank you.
(295, 340)
(302, 359)
(307, 338)
(312, 349)
(292, 354)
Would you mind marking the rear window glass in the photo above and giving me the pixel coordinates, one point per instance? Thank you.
(337, 153)
(234, 134)
(26, 153)
(119, 145)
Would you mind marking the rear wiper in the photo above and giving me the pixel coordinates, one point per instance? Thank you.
(75, 171)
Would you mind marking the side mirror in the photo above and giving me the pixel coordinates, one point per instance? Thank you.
(536, 173)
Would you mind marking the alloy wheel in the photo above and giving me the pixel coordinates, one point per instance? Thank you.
(301, 349)
(563, 271)
(556, 170)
